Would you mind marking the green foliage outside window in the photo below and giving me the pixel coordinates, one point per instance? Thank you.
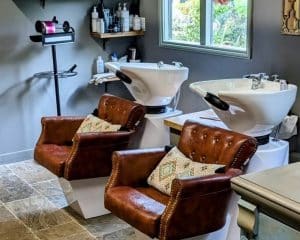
(229, 22)
(186, 21)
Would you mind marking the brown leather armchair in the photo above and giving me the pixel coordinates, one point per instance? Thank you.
(196, 205)
(89, 155)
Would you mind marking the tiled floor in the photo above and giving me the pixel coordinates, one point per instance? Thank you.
(32, 206)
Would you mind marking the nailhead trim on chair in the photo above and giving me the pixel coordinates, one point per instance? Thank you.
(74, 151)
(116, 171)
(171, 206)
(43, 133)
(246, 144)
(169, 210)
(130, 123)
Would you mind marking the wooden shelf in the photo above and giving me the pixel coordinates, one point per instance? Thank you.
(118, 35)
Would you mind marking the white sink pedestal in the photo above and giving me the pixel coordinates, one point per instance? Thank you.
(156, 133)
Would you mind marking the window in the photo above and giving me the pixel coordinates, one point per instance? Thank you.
(207, 26)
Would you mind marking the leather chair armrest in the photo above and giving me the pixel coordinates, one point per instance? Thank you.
(59, 130)
(204, 185)
(101, 139)
(202, 200)
(132, 167)
(91, 154)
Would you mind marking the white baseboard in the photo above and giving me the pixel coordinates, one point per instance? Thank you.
(16, 156)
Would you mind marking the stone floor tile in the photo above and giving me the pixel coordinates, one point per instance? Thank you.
(81, 236)
(6, 215)
(61, 232)
(4, 170)
(48, 188)
(38, 213)
(52, 191)
(15, 230)
(12, 188)
(58, 200)
(102, 226)
(32, 204)
(124, 234)
(67, 189)
(31, 171)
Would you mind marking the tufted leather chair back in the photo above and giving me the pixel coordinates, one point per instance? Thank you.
(120, 111)
(215, 145)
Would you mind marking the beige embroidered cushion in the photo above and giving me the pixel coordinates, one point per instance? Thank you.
(176, 165)
(95, 124)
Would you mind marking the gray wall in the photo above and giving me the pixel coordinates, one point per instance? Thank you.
(24, 99)
(272, 53)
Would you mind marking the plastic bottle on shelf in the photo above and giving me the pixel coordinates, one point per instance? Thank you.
(143, 23)
(98, 26)
(119, 10)
(102, 26)
(131, 16)
(125, 18)
(114, 57)
(94, 19)
(136, 23)
(100, 65)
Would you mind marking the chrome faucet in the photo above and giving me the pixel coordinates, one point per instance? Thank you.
(160, 64)
(177, 64)
(256, 83)
(257, 80)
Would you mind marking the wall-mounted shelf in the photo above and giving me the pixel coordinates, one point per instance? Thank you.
(106, 36)
(118, 35)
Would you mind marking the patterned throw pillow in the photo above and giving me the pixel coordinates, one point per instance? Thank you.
(176, 165)
(95, 124)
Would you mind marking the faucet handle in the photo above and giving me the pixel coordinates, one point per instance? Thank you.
(160, 64)
(177, 64)
(246, 76)
(262, 74)
(252, 76)
(275, 77)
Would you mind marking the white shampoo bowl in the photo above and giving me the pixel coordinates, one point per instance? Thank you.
(253, 112)
(151, 85)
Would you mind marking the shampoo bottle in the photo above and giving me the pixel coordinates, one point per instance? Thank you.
(125, 18)
(136, 23)
(119, 10)
(100, 65)
(94, 19)
(102, 26)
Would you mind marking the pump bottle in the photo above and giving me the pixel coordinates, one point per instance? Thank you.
(125, 19)
(100, 65)
(94, 19)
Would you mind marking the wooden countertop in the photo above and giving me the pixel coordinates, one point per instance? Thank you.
(277, 190)
(207, 117)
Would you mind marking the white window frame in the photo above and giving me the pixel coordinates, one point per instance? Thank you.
(205, 35)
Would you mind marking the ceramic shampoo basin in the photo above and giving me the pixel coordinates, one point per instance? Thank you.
(254, 112)
(149, 83)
